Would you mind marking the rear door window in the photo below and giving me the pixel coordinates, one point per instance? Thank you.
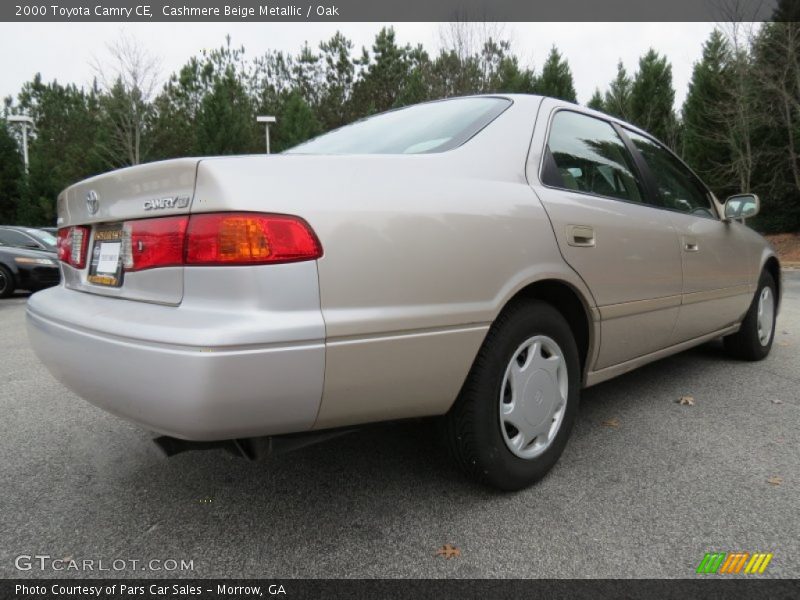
(677, 187)
(11, 237)
(586, 155)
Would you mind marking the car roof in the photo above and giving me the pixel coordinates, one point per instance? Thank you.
(22, 228)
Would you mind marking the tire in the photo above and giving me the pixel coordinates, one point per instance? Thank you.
(478, 438)
(7, 285)
(753, 341)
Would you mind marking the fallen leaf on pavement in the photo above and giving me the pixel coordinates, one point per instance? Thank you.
(775, 480)
(448, 551)
(685, 401)
(611, 423)
(783, 343)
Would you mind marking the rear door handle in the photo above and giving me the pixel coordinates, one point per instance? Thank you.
(690, 244)
(580, 235)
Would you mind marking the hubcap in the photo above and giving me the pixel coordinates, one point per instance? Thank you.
(3, 282)
(533, 397)
(766, 316)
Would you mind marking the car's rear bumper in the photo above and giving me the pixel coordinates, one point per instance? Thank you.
(117, 355)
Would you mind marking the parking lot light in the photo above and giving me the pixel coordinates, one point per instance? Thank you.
(267, 120)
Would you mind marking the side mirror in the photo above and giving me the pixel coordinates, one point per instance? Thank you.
(742, 206)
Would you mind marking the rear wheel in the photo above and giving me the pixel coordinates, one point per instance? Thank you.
(6, 282)
(753, 341)
(514, 414)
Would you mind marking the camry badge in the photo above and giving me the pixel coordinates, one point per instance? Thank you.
(171, 202)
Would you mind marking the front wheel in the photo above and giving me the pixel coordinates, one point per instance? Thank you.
(6, 282)
(514, 414)
(753, 341)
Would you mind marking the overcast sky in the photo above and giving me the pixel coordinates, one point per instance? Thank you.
(64, 51)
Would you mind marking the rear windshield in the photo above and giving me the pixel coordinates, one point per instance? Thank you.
(419, 129)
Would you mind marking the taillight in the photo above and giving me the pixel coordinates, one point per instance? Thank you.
(72, 244)
(217, 239)
(249, 238)
(153, 243)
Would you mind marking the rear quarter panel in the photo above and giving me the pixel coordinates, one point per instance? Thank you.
(421, 253)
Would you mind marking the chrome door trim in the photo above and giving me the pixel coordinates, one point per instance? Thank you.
(718, 293)
(627, 309)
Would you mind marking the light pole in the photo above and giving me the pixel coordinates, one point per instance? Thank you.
(266, 120)
(26, 122)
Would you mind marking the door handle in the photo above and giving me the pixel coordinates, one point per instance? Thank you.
(690, 244)
(580, 235)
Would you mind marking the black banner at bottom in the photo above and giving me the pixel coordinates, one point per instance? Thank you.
(436, 589)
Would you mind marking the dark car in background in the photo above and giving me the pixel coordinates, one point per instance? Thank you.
(28, 260)
(27, 237)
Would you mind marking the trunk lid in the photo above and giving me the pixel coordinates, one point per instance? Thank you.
(103, 203)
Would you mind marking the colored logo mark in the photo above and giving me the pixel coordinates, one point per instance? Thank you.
(734, 562)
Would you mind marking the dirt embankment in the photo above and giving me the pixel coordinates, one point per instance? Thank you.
(787, 245)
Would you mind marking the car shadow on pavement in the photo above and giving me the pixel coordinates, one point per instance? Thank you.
(388, 459)
(405, 454)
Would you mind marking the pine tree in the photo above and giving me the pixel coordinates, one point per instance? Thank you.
(175, 111)
(10, 175)
(707, 104)
(556, 78)
(64, 146)
(618, 97)
(225, 122)
(771, 83)
(383, 81)
(596, 101)
(296, 123)
(652, 97)
(339, 75)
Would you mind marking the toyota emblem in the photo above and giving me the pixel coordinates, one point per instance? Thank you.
(92, 202)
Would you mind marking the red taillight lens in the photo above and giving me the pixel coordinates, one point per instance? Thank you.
(205, 239)
(64, 244)
(154, 243)
(72, 245)
(249, 238)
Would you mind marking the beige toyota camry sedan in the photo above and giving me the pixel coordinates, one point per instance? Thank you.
(481, 259)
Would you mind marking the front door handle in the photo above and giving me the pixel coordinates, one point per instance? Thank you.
(580, 235)
(690, 244)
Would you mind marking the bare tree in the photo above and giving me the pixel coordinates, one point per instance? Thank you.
(778, 75)
(477, 45)
(468, 38)
(129, 80)
(739, 116)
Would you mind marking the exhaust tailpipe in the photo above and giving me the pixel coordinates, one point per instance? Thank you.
(252, 449)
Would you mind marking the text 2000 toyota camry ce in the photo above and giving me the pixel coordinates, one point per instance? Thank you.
(478, 258)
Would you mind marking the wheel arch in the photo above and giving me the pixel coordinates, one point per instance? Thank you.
(773, 267)
(11, 271)
(572, 304)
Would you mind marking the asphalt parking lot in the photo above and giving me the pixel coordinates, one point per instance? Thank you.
(644, 489)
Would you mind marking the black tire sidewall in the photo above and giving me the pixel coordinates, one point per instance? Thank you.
(760, 350)
(9, 277)
(501, 467)
(744, 344)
